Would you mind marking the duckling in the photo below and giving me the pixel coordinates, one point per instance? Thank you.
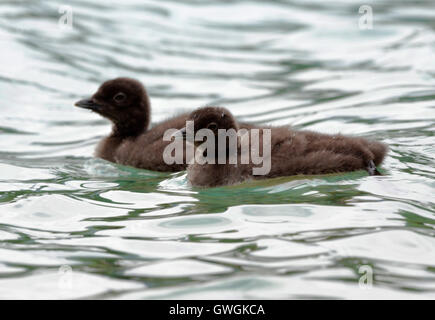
(125, 102)
(291, 152)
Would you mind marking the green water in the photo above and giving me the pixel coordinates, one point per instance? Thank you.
(72, 226)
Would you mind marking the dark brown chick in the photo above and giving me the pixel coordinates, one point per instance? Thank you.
(292, 152)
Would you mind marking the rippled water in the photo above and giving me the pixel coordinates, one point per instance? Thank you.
(76, 227)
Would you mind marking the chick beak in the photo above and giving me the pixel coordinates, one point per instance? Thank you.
(88, 104)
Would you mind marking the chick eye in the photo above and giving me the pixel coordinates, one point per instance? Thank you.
(212, 126)
(119, 97)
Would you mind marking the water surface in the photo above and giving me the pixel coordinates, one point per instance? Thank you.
(72, 226)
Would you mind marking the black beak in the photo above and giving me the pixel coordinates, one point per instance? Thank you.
(183, 132)
(88, 104)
